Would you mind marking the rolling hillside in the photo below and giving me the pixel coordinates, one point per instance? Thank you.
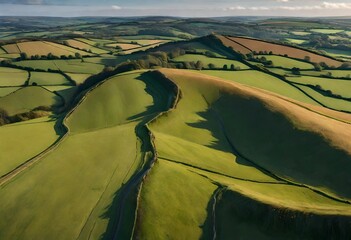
(146, 136)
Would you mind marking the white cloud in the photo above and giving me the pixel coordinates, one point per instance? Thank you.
(323, 5)
(329, 5)
(284, 1)
(115, 7)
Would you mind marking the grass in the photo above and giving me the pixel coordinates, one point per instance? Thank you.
(106, 113)
(303, 149)
(334, 73)
(218, 62)
(7, 90)
(284, 62)
(91, 176)
(69, 66)
(43, 78)
(241, 217)
(180, 212)
(12, 77)
(67, 92)
(18, 136)
(263, 81)
(301, 33)
(296, 41)
(79, 78)
(84, 46)
(123, 46)
(44, 48)
(326, 31)
(337, 53)
(11, 48)
(337, 86)
(28, 98)
(277, 49)
(334, 103)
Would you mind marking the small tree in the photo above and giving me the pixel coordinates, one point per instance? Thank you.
(295, 71)
(199, 65)
(225, 67)
(211, 66)
(24, 56)
(78, 55)
(307, 58)
(232, 67)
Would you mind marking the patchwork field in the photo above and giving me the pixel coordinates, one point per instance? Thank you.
(337, 86)
(42, 48)
(218, 62)
(84, 46)
(69, 66)
(41, 78)
(12, 77)
(154, 128)
(258, 45)
(284, 62)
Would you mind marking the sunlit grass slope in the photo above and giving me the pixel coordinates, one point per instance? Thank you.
(75, 185)
(27, 99)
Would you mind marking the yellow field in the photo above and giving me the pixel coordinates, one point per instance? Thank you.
(41, 48)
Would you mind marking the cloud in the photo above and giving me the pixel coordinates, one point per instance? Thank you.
(322, 6)
(283, 1)
(24, 2)
(115, 7)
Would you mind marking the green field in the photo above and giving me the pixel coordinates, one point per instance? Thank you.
(144, 136)
(69, 66)
(195, 123)
(296, 41)
(12, 77)
(18, 136)
(333, 103)
(337, 86)
(263, 81)
(27, 99)
(7, 90)
(42, 78)
(79, 77)
(334, 73)
(326, 31)
(102, 174)
(218, 62)
(301, 33)
(284, 62)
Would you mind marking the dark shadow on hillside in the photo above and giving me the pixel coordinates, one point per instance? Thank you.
(122, 209)
(213, 124)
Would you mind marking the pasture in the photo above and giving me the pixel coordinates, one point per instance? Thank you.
(218, 62)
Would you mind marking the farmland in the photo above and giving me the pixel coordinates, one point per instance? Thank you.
(175, 128)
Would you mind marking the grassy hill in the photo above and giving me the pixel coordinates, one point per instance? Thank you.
(156, 130)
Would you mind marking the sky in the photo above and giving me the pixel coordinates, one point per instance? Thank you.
(181, 8)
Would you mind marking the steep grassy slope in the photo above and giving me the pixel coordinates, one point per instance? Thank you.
(79, 181)
(264, 81)
(273, 154)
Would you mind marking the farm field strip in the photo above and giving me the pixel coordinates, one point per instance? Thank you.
(329, 102)
(285, 62)
(218, 62)
(260, 45)
(337, 86)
